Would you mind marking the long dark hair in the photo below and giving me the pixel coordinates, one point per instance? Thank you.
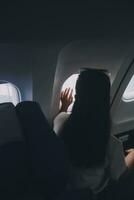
(86, 132)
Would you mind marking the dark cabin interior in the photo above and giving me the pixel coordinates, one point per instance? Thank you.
(47, 27)
(32, 37)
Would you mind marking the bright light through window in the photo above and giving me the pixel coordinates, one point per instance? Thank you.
(128, 95)
(70, 83)
(9, 93)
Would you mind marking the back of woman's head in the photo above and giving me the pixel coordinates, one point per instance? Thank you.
(87, 130)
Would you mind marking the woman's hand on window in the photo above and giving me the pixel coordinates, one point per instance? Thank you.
(66, 99)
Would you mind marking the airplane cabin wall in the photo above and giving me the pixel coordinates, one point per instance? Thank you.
(31, 67)
(39, 69)
(45, 57)
(97, 53)
(16, 67)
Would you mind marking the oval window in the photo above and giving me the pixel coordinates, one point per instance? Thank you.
(128, 95)
(9, 93)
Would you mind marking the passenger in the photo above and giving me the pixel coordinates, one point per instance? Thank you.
(96, 157)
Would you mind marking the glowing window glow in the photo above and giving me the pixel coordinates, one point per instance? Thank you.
(70, 83)
(9, 93)
(128, 95)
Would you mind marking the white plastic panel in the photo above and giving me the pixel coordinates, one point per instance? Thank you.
(128, 95)
(9, 93)
(105, 54)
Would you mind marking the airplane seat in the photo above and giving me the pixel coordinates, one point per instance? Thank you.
(80, 194)
(12, 158)
(47, 158)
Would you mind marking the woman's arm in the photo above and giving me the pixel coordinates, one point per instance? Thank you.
(129, 159)
(66, 99)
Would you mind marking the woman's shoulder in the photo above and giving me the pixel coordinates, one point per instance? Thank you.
(61, 116)
(59, 121)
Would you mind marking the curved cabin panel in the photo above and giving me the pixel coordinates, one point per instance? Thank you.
(103, 54)
(16, 67)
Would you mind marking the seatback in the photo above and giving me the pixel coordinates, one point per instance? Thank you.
(12, 159)
(47, 158)
(80, 194)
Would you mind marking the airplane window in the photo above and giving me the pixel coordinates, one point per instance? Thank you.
(9, 93)
(129, 92)
(70, 83)
(125, 112)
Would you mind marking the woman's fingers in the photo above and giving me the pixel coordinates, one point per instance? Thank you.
(129, 150)
(67, 94)
(71, 96)
(61, 94)
(64, 93)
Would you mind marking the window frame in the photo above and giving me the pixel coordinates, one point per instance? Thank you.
(15, 87)
(124, 81)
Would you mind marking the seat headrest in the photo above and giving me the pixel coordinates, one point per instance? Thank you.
(10, 129)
